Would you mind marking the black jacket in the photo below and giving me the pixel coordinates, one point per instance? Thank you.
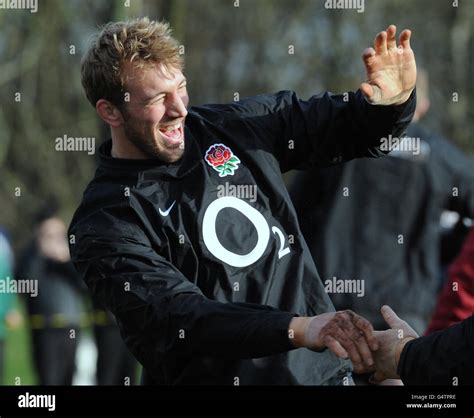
(59, 302)
(203, 285)
(442, 358)
(378, 220)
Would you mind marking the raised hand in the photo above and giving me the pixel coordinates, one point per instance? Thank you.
(391, 69)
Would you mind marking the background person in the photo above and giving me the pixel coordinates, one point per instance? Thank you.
(55, 313)
(456, 300)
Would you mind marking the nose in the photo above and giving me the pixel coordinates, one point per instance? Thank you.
(176, 107)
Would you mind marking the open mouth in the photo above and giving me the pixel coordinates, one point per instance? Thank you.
(173, 134)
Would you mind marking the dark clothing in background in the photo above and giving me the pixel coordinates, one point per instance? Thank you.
(53, 313)
(215, 306)
(60, 288)
(452, 240)
(115, 363)
(54, 355)
(440, 357)
(355, 233)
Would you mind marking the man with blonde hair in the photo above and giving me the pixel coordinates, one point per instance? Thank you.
(212, 289)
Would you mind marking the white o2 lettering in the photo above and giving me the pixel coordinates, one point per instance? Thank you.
(259, 222)
(212, 241)
(282, 251)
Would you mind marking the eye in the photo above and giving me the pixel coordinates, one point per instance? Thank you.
(182, 86)
(158, 100)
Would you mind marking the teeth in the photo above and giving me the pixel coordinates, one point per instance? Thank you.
(170, 128)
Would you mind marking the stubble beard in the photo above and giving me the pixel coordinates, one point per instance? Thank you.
(146, 143)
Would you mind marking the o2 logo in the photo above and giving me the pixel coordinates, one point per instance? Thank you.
(253, 215)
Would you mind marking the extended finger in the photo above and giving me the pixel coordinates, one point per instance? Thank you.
(336, 330)
(405, 37)
(348, 345)
(367, 90)
(368, 330)
(391, 39)
(367, 55)
(380, 43)
(391, 318)
(335, 347)
(357, 336)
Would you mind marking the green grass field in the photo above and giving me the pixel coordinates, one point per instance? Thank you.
(18, 363)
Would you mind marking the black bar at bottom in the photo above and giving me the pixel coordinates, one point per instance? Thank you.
(140, 401)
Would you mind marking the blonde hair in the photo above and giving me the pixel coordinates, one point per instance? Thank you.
(139, 41)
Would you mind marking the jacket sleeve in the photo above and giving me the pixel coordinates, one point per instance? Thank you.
(159, 310)
(440, 357)
(327, 129)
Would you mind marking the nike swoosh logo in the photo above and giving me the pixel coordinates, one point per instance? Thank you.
(167, 211)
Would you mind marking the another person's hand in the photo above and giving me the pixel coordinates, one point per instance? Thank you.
(391, 69)
(391, 343)
(345, 333)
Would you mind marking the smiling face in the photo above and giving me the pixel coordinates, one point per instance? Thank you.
(153, 118)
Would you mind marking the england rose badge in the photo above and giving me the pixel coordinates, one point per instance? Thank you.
(222, 159)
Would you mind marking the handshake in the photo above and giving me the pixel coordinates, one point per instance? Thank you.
(349, 335)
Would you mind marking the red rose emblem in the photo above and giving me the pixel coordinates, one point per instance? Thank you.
(222, 159)
(218, 155)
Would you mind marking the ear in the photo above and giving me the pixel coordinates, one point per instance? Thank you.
(109, 113)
